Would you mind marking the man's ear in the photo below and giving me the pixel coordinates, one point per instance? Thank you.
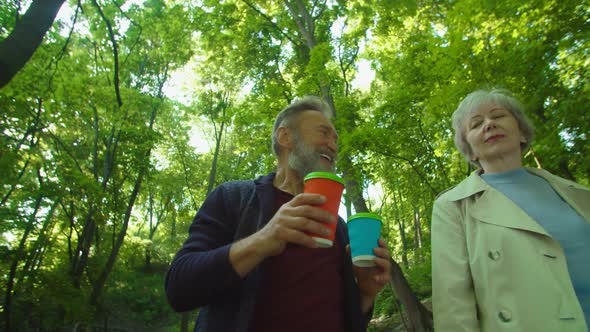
(285, 137)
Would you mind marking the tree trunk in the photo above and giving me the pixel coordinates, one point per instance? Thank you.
(35, 256)
(99, 284)
(25, 38)
(215, 156)
(13, 267)
(417, 229)
(32, 130)
(347, 204)
(420, 317)
(153, 226)
(306, 26)
(353, 189)
(185, 316)
(148, 251)
(402, 233)
(80, 256)
(401, 227)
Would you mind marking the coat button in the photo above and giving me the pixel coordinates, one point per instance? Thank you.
(494, 254)
(505, 316)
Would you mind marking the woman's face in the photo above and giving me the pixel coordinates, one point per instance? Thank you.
(492, 133)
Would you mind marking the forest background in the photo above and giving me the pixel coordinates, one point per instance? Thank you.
(105, 158)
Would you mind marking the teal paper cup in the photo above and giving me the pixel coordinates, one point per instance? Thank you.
(364, 230)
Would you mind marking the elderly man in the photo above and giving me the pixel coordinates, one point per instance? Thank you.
(249, 263)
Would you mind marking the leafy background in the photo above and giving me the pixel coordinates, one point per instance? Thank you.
(103, 168)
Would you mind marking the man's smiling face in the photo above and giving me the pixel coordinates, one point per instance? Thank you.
(315, 144)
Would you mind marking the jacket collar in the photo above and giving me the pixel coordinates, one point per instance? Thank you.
(475, 184)
(265, 194)
(493, 207)
(265, 180)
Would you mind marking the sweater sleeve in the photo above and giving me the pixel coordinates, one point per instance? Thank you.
(453, 296)
(201, 271)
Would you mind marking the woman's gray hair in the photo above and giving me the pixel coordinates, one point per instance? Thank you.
(500, 97)
(287, 116)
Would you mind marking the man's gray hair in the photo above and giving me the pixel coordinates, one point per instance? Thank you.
(500, 97)
(287, 116)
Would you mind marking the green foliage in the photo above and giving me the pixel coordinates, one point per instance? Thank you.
(136, 296)
(51, 301)
(419, 273)
(81, 172)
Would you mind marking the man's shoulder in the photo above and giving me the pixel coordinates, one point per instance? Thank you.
(235, 191)
(243, 190)
(245, 184)
(237, 184)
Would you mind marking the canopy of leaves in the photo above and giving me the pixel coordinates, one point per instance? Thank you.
(101, 178)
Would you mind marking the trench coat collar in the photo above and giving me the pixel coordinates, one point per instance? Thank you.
(475, 184)
(495, 208)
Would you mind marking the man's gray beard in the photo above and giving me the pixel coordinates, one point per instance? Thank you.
(305, 159)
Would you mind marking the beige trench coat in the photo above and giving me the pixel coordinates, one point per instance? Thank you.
(495, 269)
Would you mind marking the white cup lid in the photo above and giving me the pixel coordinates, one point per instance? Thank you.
(363, 261)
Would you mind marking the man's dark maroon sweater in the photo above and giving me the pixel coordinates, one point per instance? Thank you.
(301, 289)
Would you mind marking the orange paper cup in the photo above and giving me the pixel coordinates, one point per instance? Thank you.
(331, 186)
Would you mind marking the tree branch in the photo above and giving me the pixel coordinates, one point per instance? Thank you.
(134, 23)
(309, 21)
(429, 146)
(115, 52)
(345, 65)
(18, 48)
(308, 37)
(282, 79)
(269, 20)
(323, 8)
(424, 179)
(63, 49)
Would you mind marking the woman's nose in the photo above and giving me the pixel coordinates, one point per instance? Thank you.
(489, 124)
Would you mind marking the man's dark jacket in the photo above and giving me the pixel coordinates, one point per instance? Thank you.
(201, 274)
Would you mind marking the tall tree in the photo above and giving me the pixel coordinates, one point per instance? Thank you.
(25, 38)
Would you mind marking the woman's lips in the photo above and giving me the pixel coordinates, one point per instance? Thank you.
(493, 138)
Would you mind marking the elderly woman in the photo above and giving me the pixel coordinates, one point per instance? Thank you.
(510, 244)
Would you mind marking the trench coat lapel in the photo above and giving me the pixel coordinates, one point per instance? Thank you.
(576, 195)
(495, 208)
(492, 207)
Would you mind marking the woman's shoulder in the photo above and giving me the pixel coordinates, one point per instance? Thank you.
(556, 180)
(467, 187)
